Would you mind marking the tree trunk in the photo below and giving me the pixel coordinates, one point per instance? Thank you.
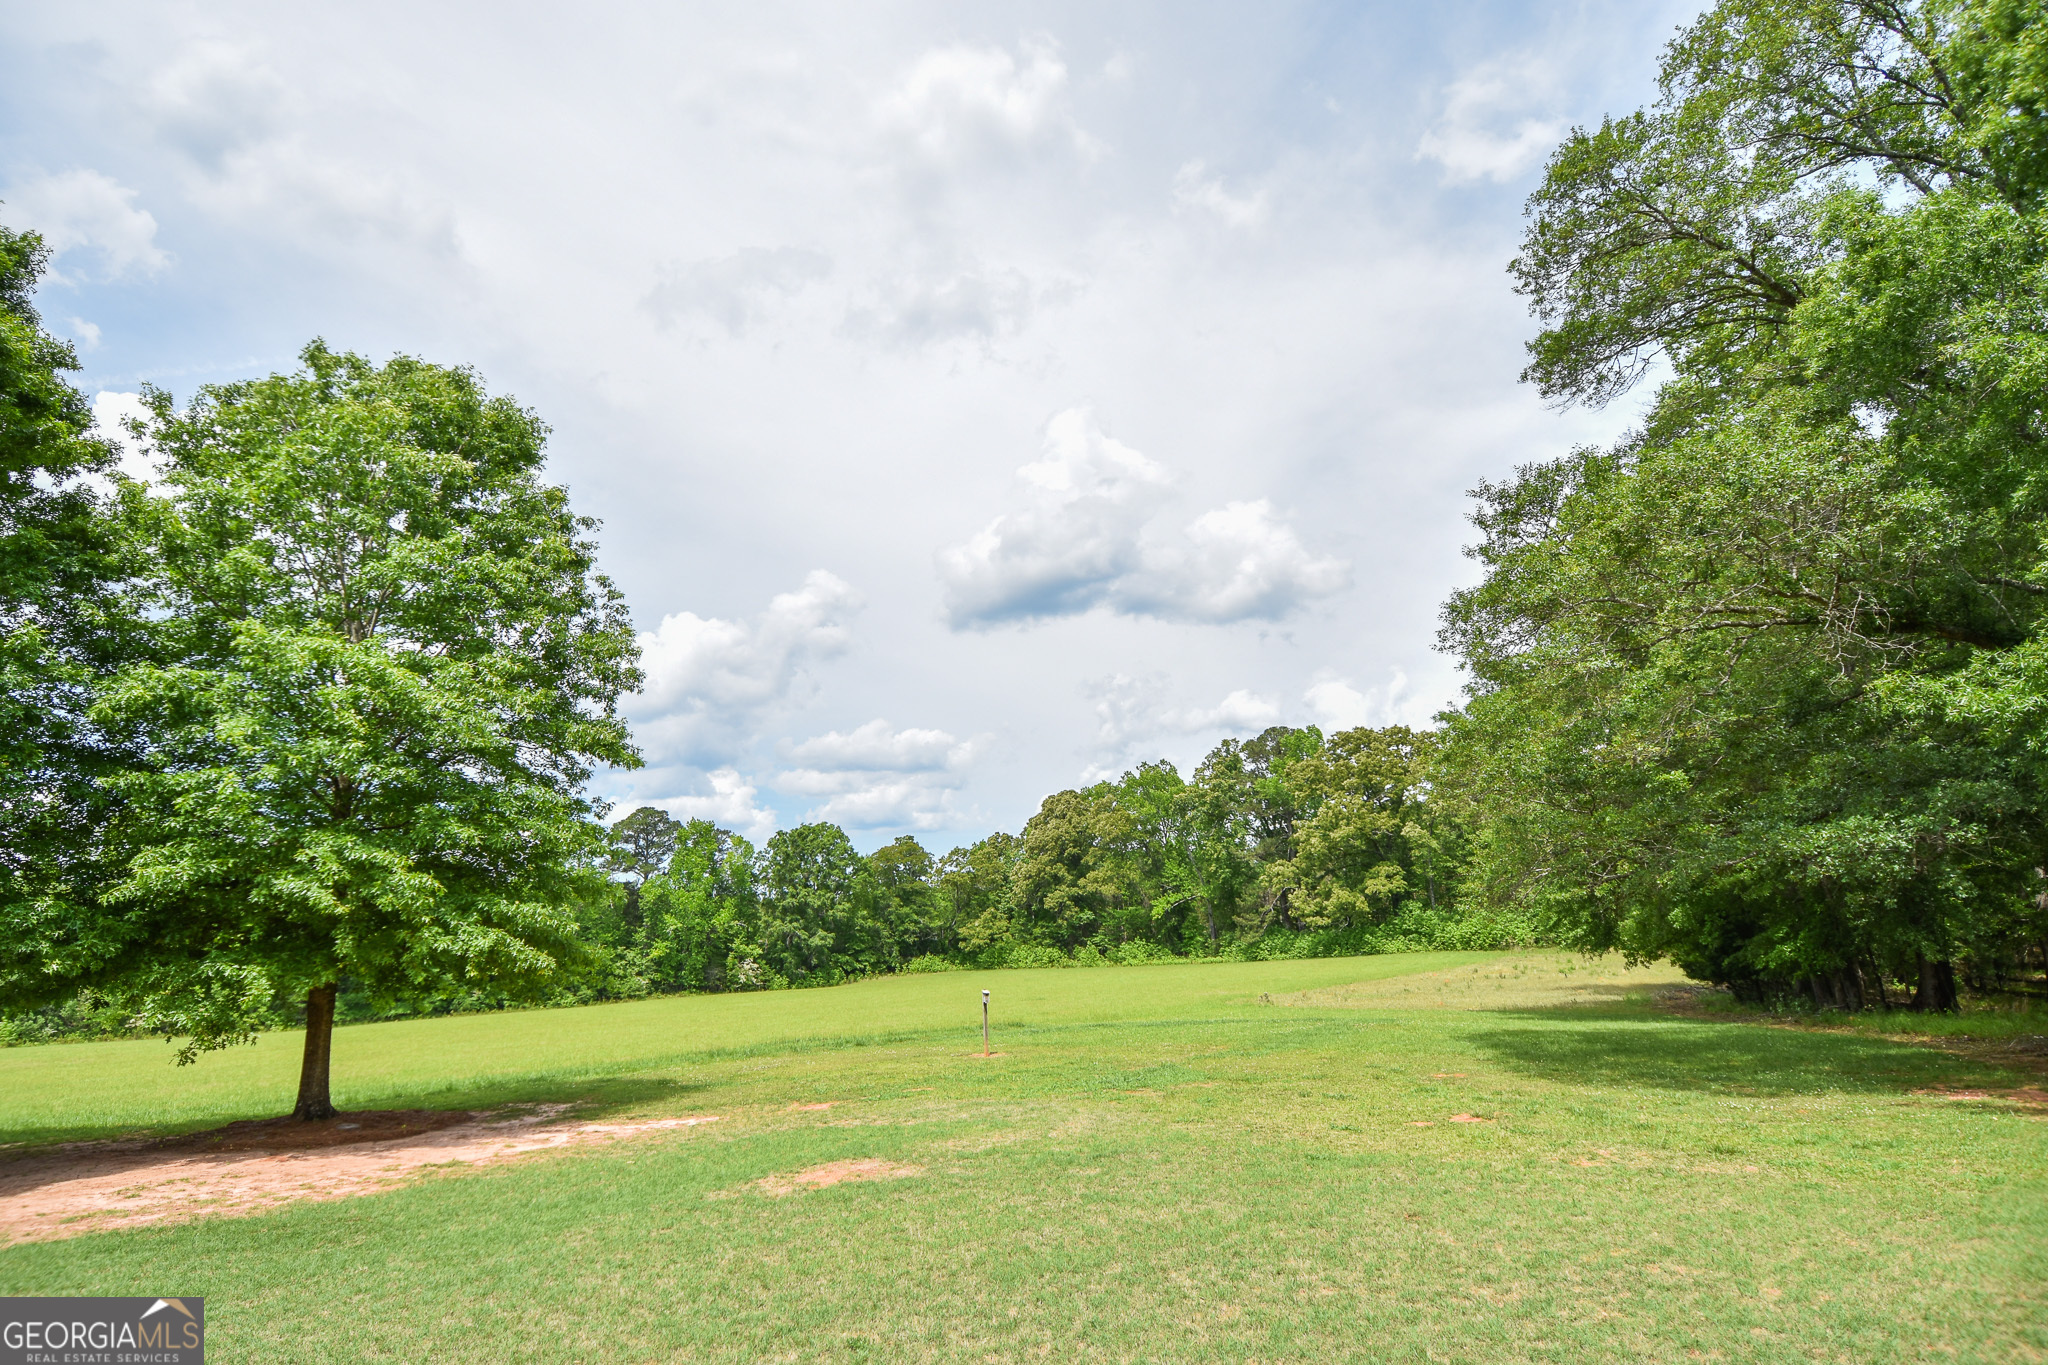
(1937, 993)
(313, 1101)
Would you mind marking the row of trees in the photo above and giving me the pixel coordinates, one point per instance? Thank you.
(1286, 843)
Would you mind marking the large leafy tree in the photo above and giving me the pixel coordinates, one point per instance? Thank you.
(386, 666)
(1755, 688)
(65, 622)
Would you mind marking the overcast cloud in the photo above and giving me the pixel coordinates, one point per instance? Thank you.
(976, 399)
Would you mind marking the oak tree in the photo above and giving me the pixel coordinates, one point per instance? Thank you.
(386, 666)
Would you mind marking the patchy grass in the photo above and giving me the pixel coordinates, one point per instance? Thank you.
(1158, 1167)
(1527, 980)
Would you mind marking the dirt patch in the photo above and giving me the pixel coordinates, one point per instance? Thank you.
(1468, 1118)
(249, 1167)
(1512, 981)
(835, 1173)
(2026, 1096)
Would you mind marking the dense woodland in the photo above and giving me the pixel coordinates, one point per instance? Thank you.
(1286, 844)
(1761, 689)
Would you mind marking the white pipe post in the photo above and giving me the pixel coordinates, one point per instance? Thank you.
(984, 1023)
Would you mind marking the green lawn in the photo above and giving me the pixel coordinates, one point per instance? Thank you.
(1174, 1162)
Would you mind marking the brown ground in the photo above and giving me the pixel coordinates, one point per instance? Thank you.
(835, 1173)
(249, 1167)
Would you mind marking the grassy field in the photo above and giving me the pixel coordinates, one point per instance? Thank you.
(1419, 1158)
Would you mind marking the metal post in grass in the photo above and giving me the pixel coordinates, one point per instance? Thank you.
(984, 1023)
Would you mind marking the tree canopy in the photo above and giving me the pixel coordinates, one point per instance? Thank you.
(1755, 688)
(381, 666)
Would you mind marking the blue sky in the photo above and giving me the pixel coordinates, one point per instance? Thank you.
(977, 400)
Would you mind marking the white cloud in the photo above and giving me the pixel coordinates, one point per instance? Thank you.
(1085, 539)
(876, 775)
(893, 803)
(1239, 562)
(1194, 189)
(735, 291)
(961, 103)
(1338, 705)
(87, 333)
(1489, 129)
(1239, 711)
(875, 747)
(730, 804)
(86, 210)
(1087, 500)
(710, 680)
(1133, 712)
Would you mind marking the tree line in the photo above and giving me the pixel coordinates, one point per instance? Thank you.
(1286, 844)
(305, 724)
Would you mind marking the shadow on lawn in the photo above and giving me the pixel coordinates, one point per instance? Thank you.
(591, 1097)
(1728, 1058)
(594, 1097)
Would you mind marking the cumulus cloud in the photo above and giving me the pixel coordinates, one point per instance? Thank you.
(1195, 190)
(710, 680)
(732, 803)
(1238, 562)
(84, 210)
(877, 775)
(893, 803)
(961, 104)
(1086, 538)
(875, 747)
(1133, 713)
(86, 333)
(734, 291)
(1076, 538)
(1338, 705)
(1490, 128)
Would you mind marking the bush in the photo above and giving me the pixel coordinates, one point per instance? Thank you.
(1023, 955)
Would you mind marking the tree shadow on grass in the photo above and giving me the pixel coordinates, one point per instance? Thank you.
(1608, 1049)
(591, 1097)
(594, 1097)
